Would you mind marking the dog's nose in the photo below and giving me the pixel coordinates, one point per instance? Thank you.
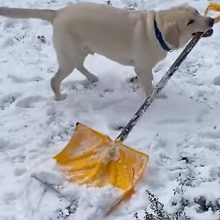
(211, 22)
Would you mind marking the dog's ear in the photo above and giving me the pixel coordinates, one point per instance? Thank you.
(171, 34)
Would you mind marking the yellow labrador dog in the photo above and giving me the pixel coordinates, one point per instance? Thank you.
(134, 38)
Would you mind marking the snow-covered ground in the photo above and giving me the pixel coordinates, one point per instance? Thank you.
(181, 133)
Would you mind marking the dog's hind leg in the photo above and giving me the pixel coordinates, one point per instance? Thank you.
(70, 55)
(66, 66)
(61, 74)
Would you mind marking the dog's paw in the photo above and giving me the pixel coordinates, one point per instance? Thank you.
(60, 97)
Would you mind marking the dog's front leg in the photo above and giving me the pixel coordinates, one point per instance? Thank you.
(145, 78)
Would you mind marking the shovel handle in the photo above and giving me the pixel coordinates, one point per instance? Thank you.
(162, 83)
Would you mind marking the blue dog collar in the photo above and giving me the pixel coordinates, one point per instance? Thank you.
(159, 37)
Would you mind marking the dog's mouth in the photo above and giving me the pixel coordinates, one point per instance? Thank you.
(207, 34)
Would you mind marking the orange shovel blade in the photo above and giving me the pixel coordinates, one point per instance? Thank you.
(84, 160)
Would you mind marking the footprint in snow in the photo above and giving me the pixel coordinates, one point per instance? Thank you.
(24, 80)
(171, 121)
(9, 24)
(18, 159)
(213, 135)
(4, 145)
(7, 145)
(79, 85)
(216, 81)
(134, 85)
(19, 171)
(8, 100)
(9, 197)
(29, 102)
(7, 43)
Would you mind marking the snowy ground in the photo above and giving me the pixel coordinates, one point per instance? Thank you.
(180, 133)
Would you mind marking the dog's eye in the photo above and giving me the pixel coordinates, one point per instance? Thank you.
(190, 22)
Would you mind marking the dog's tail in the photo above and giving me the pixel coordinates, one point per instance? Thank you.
(48, 15)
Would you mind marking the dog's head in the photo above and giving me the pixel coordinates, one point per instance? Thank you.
(180, 23)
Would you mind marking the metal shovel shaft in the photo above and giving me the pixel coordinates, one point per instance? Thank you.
(162, 83)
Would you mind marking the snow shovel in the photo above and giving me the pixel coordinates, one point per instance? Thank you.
(92, 158)
(213, 7)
